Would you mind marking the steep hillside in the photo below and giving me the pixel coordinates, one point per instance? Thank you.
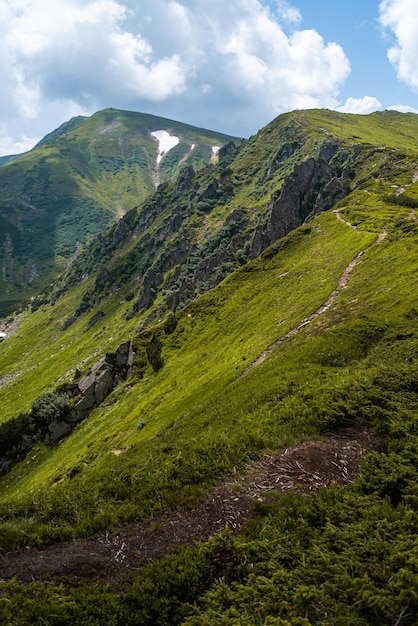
(266, 301)
(79, 180)
(192, 233)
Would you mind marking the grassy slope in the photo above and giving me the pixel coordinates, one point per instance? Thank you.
(354, 365)
(251, 309)
(349, 551)
(238, 320)
(73, 186)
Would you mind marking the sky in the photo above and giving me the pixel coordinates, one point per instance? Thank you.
(230, 66)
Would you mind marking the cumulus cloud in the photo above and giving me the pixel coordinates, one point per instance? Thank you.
(402, 108)
(229, 66)
(401, 17)
(361, 106)
(289, 13)
(16, 145)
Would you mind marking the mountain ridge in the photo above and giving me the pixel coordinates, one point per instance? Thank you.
(76, 182)
(237, 342)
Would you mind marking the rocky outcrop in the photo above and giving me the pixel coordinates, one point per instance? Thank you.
(285, 152)
(227, 151)
(64, 409)
(89, 391)
(95, 318)
(150, 281)
(312, 187)
(185, 180)
(210, 192)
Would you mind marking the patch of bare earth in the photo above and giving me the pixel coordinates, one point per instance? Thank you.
(112, 556)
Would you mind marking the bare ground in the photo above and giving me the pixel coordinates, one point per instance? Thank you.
(113, 556)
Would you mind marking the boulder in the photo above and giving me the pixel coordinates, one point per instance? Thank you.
(56, 431)
(105, 383)
(124, 355)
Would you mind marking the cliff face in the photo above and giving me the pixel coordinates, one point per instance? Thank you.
(312, 187)
(172, 254)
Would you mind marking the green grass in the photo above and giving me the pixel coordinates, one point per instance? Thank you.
(162, 438)
(238, 320)
(77, 183)
(349, 551)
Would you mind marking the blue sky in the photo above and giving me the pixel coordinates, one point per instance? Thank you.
(228, 66)
(356, 27)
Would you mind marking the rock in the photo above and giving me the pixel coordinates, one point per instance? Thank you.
(124, 355)
(87, 383)
(312, 187)
(210, 192)
(151, 279)
(105, 383)
(56, 431)
(328, 150)
(184, 181)
(95, 318)
(227, 150)
(87, 391)
(101, 279)
(87, 403)
(335, 190)
(284, 153)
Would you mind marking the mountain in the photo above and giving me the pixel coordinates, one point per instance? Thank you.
(79, 180)
(238, 353)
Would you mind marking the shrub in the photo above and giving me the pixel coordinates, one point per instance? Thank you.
(50, 407)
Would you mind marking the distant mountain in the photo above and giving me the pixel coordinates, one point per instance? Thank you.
(8, 158)
(79, 180)
(214, 367)
(196, 230)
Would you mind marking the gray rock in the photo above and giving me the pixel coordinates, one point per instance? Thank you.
(87, 402)
(104, 385)
(312, 187)
(95, 318)
(124, 355)
(56, 431)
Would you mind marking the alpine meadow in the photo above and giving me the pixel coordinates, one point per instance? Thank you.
(209, 373)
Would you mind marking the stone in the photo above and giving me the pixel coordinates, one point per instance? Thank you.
(151, 279)
(95, 318)
(104, 385)
(87, 402)
(56, 431)
(312, 187)
(124, 355)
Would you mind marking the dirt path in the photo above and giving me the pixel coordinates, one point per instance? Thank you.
(110, 557)
(323, 308)
(340, 217)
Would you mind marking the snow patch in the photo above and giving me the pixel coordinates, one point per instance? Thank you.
(165, 142)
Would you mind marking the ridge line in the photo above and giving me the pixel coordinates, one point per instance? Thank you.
(322, 309)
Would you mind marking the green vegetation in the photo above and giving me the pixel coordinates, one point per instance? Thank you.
(194, 412)
(78, 181)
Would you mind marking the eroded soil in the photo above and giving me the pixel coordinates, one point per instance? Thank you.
(112, 556)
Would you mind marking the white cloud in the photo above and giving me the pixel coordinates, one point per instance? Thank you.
(361, 106)
(13, 145)
(289, 13)
(402, 108)
(401, 17)
(227, 66)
